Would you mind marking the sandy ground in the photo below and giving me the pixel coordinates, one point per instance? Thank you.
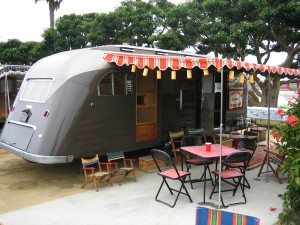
(23, 183)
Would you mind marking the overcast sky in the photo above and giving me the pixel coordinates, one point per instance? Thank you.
(26, 21)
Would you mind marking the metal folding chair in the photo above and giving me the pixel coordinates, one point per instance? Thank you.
(229, 176)
(170, 172)
(248, 145)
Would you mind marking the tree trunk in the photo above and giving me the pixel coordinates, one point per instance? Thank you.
(273, 92)
(51, 10)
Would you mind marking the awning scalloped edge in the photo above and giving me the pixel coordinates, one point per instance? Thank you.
(178, 62)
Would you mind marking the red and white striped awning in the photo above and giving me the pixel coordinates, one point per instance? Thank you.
(177, 62)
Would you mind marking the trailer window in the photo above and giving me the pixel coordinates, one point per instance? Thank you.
(115, 84)
(36, 90)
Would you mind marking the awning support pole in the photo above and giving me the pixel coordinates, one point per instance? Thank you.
(221, 128)
(268, 133)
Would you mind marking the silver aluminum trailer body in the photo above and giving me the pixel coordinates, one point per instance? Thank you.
(41, 137)
(76, 104)
(66, 120)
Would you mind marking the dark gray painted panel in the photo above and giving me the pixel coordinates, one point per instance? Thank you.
(107, 126)
(17, 135)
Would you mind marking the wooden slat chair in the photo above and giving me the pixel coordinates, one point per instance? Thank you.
(171, 173)
(208, 216)
(126, 166)
(175, 140)
(94, 174)
(275, 162)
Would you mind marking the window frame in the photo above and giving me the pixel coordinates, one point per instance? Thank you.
(46, 95)
(125, 75)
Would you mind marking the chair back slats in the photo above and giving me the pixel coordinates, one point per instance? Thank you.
(208, 216)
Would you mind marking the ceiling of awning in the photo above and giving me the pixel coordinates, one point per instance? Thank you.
(163, 62)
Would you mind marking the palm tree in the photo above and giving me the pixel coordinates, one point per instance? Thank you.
(53, 5)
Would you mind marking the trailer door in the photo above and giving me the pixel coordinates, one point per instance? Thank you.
(190, 101)
(146, 108)
(188, 107)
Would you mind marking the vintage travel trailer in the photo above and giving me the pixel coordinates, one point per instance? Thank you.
(104, 99)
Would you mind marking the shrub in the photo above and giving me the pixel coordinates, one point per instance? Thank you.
(287, 135)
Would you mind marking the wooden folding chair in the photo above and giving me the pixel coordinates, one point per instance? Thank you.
(208, 216)
(126, 168)
(275, 161)
(175, 139)
(171, 173)
(197, 132)
(95, 175)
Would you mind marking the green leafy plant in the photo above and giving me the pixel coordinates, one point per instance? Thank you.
(287, 136)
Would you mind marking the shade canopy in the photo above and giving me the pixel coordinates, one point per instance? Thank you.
(163, 62)
(13, 70)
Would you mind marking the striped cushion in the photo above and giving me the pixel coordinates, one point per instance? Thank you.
(177, 135)
(206, 216)
(195, 131)
(276, 160)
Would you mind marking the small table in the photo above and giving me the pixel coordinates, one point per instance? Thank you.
(262, 132)
(213, 155)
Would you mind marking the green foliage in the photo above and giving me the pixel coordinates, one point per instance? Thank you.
(71, 31)
(15, 52)
(233, 29)
(288, 136)
(104, 29)
(136, 22)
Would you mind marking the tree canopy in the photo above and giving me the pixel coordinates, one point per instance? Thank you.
(228, 28)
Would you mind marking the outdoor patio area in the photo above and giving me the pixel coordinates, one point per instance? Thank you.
(134, 202)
